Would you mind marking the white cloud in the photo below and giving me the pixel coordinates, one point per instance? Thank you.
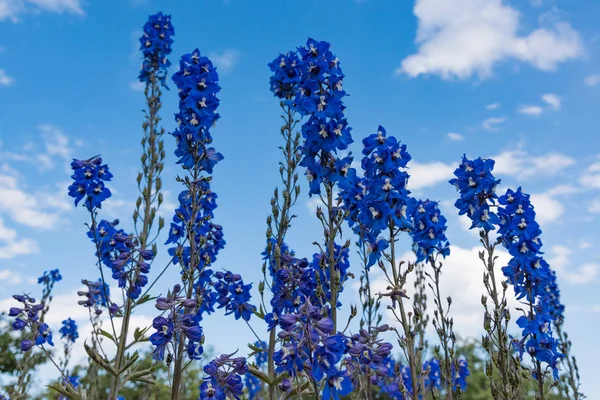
(592, 80)
(524, 166)
(11, 246)
(56, 145)
(552, 100)
(462, 38)
(455, 137)
(493, 106)
(428, 174)
(12, 9)
(23, 207)
(565, 269)
(137, 86)
(594, 206)
(226, 60)
(547, 208)
(462, 280)
(5, 80)
(531, 110)
(590, 179)
(491, 124)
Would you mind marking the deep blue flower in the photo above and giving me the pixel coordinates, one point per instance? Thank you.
(88, 182)
(69, 330)
(155, 45)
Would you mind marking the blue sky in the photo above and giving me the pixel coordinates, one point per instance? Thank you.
(517, 81)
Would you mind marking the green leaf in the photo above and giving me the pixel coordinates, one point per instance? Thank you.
(106, 334)
(98, 359)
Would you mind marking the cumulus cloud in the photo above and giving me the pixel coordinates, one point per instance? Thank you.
(463, 281)
(523, 166)
(12, 9)
(547, 208)
(552, 103)
(428, 174)
(462, 38)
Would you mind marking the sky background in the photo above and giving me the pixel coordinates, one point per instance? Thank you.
(515, 81)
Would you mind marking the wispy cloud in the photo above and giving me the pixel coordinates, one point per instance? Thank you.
(574, 273)
(5, 80)
(531, 110)
(493, 106)
(11, 246)
(592, 80)
(137, 86)
(455, 137)
(491, 124)
(552, 100)
(225, 60)
(12, 9)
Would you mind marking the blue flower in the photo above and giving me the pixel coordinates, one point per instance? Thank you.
(337, 384)
(155, 45)
(88, 182)
(69, 330)
(477, 187)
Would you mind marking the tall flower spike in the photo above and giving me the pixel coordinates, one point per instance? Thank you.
(155, 45)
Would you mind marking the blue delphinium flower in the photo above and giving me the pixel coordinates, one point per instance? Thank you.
(477, 187)
(531, 278)
(97, 295)
(233, 295)
(118, 251)
(155, 45)
(28, 316)
(380, 197)
(461, 373)
(88, 182)
(224, 378)
(428, 230)
(69, 330)
(197, 82)
(50, 277)
(287, 73)
(318, 96)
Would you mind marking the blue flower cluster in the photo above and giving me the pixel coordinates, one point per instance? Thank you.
(368, 355)
(398, 376)
(293, 282)
(28, 316)
(311, 80)
(320, 266)
(429, 229)
(224, 380)
(380, 197)
(233, 295)
(117, 250)
(50, 277)
(531, 277)
(477, 187)
(69, 330)
(155, 45)
(310, 346)
(88, 182)
(180, 322)
(97, 295)
(287, 72)
(197, 82)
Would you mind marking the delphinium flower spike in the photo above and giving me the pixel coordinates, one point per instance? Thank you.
(530, 275)
(477, 188)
